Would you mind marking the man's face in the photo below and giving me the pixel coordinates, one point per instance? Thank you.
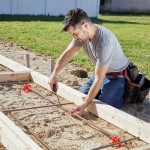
(78, 33)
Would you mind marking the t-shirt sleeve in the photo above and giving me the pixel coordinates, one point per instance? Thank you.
(76, 43)
(104, 53)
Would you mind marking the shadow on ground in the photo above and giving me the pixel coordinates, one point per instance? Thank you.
(28, 18)
(141, 110)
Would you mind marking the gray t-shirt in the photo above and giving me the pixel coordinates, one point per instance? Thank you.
(104, 49)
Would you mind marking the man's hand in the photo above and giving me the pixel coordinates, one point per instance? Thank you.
(78, 110)
(53, 82)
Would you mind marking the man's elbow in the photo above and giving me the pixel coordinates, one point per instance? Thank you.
(98, 81)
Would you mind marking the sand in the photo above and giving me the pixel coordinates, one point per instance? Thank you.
(54, 126)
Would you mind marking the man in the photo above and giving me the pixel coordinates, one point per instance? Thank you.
(104, 50)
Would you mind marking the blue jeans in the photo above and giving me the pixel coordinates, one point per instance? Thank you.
(111, 92)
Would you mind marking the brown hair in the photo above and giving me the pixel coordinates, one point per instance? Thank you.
(74, 17)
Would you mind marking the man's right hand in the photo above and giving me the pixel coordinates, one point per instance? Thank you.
(53, 82)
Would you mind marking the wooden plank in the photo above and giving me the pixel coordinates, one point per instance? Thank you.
(117, 117)
(145, 147)
(27, 60)
(15, 76)
(13, 138)
(51, 65)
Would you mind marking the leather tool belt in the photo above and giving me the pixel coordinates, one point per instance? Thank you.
(137, 85)
(117, 74)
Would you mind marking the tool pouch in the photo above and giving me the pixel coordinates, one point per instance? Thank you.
(143, 91)
(133, 72)
(137, 86)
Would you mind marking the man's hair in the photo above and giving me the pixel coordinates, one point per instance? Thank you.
(74, 17)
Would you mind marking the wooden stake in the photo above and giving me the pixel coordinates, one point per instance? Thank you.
(27, 60)
(51, 65)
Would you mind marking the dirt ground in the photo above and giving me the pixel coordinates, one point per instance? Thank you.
(39, 63)
(55, 127)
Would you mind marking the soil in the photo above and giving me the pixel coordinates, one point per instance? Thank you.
(54, 126)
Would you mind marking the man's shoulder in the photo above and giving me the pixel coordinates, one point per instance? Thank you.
(103, 34)
(103, 30)
(76, 43)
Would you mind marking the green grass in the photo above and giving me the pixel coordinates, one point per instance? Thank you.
(43, 35)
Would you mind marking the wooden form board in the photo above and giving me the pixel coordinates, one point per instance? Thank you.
(146, 147)
(119, 118)
(15, 76)
(13, 138)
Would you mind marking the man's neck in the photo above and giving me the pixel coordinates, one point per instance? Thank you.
(92, 32)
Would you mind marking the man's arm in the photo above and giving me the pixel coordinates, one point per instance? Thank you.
(100, 73)
(61, 63)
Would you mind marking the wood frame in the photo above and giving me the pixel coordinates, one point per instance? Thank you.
(15, 76)
(131, 124)
(13, 138)
(145, 147)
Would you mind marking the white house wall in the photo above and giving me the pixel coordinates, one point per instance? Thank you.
(5, 6)
(36, 7)
(48, 7)
(90, 6)
(57, 8)
(130, 6)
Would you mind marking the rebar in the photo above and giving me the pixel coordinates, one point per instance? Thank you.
(13, 82)
(84, 120)
(108, 134)
(44, 97)
(13, 110)
(113, 144)
(90, 124)
(23, 125)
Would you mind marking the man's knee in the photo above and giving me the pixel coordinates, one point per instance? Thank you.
(84, 90)
(87, 86)
(113, 94)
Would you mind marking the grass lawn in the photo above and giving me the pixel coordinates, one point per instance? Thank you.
(43, 35)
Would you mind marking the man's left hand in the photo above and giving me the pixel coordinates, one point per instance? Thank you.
(78, 110)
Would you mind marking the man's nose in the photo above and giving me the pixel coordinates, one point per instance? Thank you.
(75, 37)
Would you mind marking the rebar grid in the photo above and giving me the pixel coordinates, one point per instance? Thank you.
(24, 126)
(59, 105)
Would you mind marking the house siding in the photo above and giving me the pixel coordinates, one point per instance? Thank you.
(133, 6)
(48, 7)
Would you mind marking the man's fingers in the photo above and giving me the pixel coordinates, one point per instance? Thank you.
(56, 84)
(72, 111)
(75, 109)
(54, 87)
(75, 112)
(51, 86)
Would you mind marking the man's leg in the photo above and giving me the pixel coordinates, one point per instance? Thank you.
(112, 91)
(88, 84)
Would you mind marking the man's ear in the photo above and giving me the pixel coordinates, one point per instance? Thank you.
(85, 25)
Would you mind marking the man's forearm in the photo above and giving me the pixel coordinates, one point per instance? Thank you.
(100, 72)
(92, 93)
(61, 63)
(64, 59)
